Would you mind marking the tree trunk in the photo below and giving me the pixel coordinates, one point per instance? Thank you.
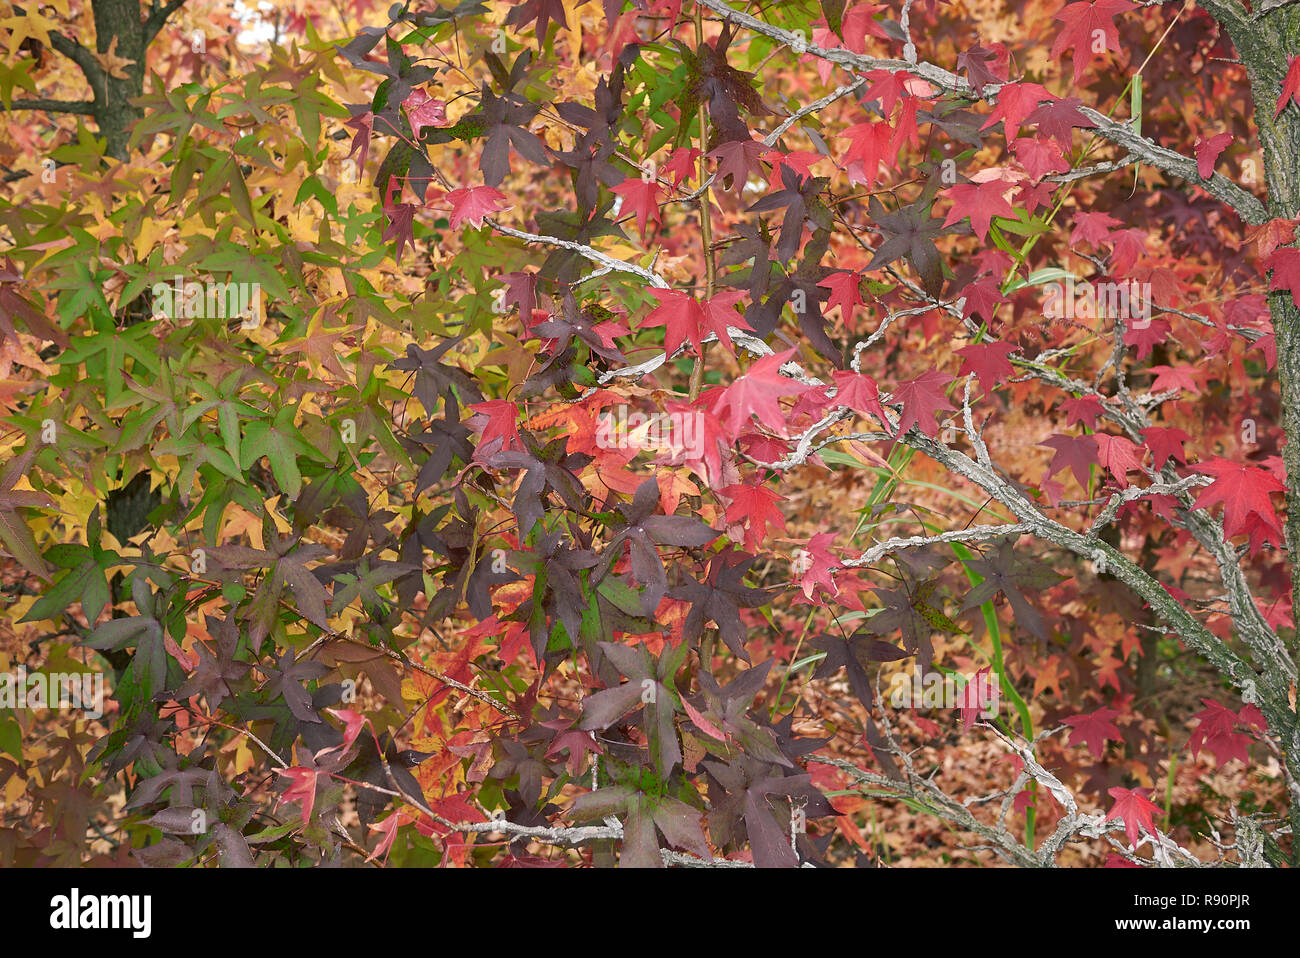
(120, 20)
(1266, 47)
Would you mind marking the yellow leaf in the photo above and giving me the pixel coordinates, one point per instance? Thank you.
(282, 525)
(14, 788)
(244, 758)
(302, 225)
(152, 229)
(239, 522)
(28, 25)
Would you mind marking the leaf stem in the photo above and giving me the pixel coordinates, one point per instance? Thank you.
(706, 217)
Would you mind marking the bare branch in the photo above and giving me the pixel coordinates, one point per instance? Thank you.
(1133, 493)
(158, 14)
(83, 107)
(973, 534)
(595, 255)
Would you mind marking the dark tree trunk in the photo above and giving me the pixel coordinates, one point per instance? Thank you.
(120, 20)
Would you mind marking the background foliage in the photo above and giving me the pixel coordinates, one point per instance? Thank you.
(368, 579)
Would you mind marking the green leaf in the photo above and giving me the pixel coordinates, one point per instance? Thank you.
(272, 833)
(239, 197)
(834, 10)
(281, 443)
(11, 735)
(85, 583)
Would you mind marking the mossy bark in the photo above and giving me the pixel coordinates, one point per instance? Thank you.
(121, 20)
(1266, 46)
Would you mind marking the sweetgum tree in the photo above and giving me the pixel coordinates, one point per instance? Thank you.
(591, 433)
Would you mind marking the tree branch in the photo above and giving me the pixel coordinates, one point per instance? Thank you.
(1245, 204)
(81, 56)
(973, 534)
(83, 107)
(157, 19)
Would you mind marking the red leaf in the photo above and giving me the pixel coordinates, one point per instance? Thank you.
(905, 130)
(1034, 196)
(1175, 377)
(815, 565)
(714, 440)
(1165, 444)
(1207, 152)
(703, 724)
(1083, 22)
(681, 165)
(1092, 227)
(869, 146)
(979, 696)
(1285, 265)
(1059, 119)
(684, 319)
(982, 299)
(1273, 234)
(1217, 731)
(799, 162)
(388, 829)
(845, 293)
(1245, 493)
(1147, 337)
(1268, 346)
(737, 159)
(981, 202)
(720, 312)
(922, 399)
(755, 393)
(988, 361)
(1129, 246)
(1133, 809)
(1118, 456)
(681, 317)
(1119, 861)
(1076, 453)
(762, 448)
(1290, 87)
(302, 790)
(1082, 409)
(422, 110)
(972, 60)
(887, 87)
(859, 392)
(1015, 102)
(859, 22)
(755, 506)
(641, 198)
(352, 724)
(474, 203)
(1040, 157)
(501, 416)
(1093, 729)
